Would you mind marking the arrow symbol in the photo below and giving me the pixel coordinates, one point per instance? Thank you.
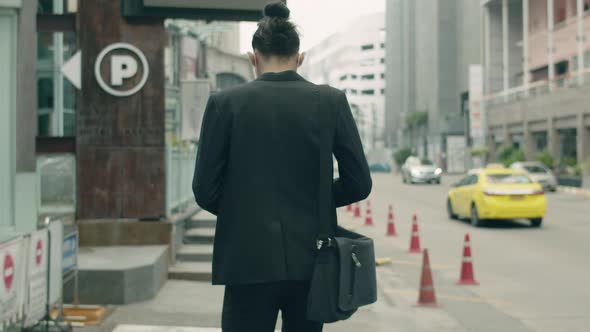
(72, 70)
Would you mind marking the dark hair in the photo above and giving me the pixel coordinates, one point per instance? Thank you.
(276, 35)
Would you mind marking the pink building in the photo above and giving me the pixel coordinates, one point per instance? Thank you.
(536, 67)
(564, 37)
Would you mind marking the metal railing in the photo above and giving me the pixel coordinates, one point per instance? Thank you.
(538, 88)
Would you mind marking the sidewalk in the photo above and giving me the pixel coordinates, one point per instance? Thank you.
(184, 306)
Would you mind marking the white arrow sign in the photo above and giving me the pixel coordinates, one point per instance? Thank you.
(72, 70)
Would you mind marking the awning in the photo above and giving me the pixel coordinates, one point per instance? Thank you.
(219, 10)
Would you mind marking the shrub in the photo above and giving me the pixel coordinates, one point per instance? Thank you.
(401, 155)
(480, 152)
(546, 158)
(508, 154)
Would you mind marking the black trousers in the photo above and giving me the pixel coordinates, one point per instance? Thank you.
(255, 308)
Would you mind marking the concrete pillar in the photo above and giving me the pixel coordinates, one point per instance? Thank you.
(583, 140)
(550, 43)
(580, 39)
(553, 140)
(529, 145)
(505, 46)
(507, 136)
(493, 148)
(525, 44)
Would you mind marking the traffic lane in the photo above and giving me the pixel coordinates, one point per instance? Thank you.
(534, 269)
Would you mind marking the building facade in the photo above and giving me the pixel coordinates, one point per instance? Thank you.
(353, 60)
(536, 65)
(89, 118)
(430, 47)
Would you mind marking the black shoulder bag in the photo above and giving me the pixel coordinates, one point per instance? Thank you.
(344, 276)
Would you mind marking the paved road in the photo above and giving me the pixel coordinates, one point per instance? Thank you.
(530, 279)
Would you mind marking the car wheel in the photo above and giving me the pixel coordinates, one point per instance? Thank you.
(536, 222)
(437, 181)
(475, 220)
(450, 211)
(404, 179)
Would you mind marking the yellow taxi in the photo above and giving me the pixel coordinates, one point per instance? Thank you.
(497, 193)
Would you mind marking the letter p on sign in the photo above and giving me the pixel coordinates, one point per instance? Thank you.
(122, 67)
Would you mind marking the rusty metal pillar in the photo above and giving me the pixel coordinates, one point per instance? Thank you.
(120, 122)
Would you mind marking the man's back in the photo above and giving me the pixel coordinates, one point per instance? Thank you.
(258, 170)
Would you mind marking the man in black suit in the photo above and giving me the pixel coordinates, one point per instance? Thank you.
(258, 171)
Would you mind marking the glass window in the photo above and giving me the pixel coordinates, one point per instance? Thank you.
(508, 179)
(45, 93)
(367, 47)
(343, 77)
(368, 77)
(56, 113)
(354, 77)
(49, 6)
(370, 92)
(45, 48)
(468, 180)
(535, 169)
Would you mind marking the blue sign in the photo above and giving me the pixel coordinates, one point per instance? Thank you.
(70, 252)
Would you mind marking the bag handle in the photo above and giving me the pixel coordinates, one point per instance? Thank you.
(325, 200)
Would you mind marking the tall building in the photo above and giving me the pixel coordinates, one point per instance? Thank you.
(353, 60)
(430, 46)
(536, 66)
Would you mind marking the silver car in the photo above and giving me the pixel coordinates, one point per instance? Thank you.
(538, 173)
(415, 170)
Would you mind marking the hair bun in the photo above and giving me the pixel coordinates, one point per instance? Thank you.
(277, 9)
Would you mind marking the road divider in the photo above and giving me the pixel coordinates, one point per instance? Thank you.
(581, 192)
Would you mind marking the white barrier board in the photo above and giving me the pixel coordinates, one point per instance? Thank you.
(12, 267)
(36, 304)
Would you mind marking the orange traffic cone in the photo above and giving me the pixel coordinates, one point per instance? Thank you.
(390, 224)
(415, 240)
(467, 277)
(357, 210)
(427, 296)
(369, 218)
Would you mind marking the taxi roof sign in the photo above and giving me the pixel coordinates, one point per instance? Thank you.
(218, 10)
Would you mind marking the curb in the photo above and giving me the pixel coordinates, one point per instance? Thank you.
(582, 192)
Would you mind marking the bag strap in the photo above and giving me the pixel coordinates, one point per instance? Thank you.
(325, 200)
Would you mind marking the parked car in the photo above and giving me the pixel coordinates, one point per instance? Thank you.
(380, 168)
(494, 193)
(415, 170)
(538, 173)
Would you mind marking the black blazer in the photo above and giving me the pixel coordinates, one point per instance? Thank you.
(258, 171)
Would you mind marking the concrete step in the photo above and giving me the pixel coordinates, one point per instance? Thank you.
(201, 220)
(192, 271)
(195, 253)
(199, 236)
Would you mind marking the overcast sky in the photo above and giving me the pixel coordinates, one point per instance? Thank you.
(318, 19)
